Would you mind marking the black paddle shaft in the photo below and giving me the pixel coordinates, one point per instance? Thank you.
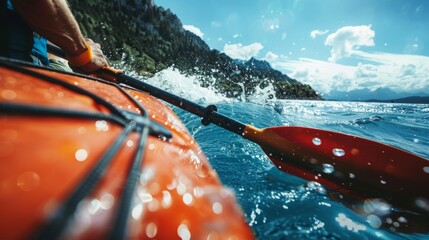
(208, 114)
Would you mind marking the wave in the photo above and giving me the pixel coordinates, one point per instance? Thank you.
(189, 87)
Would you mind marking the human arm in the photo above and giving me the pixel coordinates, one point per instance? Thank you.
(54, 20)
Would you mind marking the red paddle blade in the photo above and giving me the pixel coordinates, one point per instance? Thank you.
(352, 165)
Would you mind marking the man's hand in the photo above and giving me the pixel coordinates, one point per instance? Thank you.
(98, 60)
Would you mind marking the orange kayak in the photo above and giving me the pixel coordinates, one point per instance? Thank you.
(83, 158)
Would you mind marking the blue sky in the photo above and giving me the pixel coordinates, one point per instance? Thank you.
(339, 45)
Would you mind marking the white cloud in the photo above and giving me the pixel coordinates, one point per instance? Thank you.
(194, 30)
(316, 33)
(399, 72)
(403, 73)
(321, 75)
(270, 57)
(238, 51)
(366, 71)
(346, 40)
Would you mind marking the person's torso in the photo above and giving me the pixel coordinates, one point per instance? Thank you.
(17, 40)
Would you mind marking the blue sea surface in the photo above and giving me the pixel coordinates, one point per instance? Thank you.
(281, 206)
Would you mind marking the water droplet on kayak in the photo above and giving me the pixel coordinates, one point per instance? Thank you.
(376, 206)
(313, 161)
(352, 176)
(151, 230)
(166, 199)
(423, 203)
(317, 141)
(402, 220)
(81, 155)
(214, 235)
(9, 81)
(151, 146)
(153, 205)
(8, 94)
(328, 168)
(94, 206)
(107, 201)
(426, 169)
(154, 188)
(147, 174)
(383, 181)
(181, 189)
(137, 211)
(201, 171)
(374, 221)
(187, 199)
(27, 87)
(47, 96)
(28, 181)
(130, 143)
(81, 130)
(396, 224)
(183, 232)
(354, 151)
(198, 192)
(217, 208)
(338, 152)
(102, 126)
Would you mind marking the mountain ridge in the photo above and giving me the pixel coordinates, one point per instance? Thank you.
(413, 99)
(378, 95)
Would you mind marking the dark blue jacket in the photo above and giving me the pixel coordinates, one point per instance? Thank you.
(17, 39)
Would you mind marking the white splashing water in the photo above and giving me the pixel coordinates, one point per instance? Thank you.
(187, 87)
(263, 95)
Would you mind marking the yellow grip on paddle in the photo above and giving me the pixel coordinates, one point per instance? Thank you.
(81, 59)
(268, 139)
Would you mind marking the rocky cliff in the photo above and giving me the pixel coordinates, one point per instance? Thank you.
(148, 38)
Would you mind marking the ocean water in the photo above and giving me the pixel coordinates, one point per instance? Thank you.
(281, 206)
